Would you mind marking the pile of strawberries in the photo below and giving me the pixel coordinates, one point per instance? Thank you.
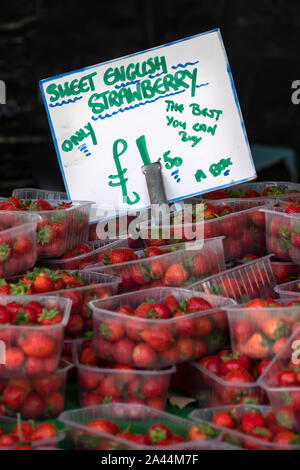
(17, 244)
(14, 203)
(58, 227)
(178, 267)
(253, 426)
(259, 333)
(158, 435)
(282, 383)
(40, 281)
(34, 340)
(244, 232)
(67, 284)
(129, 339)
(103, 382)
(235, 369)
(24, 434)
(34, 397)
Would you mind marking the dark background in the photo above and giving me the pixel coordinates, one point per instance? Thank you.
(43, 38)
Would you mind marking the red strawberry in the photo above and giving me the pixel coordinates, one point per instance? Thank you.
(153, 251)
(103, 425)
(5, 315)
(224, 419)
(175, 275)
(172, 303)
(233, 361)
(250, 420)
(14, 358)
(211, 363)
(122, 350)
(7, 440)
(184, 327)
(120, 255)
(111, 330)
(23, 430)
(287, 378)
(196, 304)
(292, 209)
(143, 309)
(49, 317)
(250, 193)
(36, 306)
(154, 387)
(22, 244)
(46, 385)
(158, 337)
(144, 356)
(90, 399)
(242, 330)
(38, 344)
(240, 375)
(16, 201)
(88, 357)
(44, 431)
(126, 309)
(75, 325)
(110, 388)
(199, 265)
(159, 311)
(40, 205)
(34, 366)
(14, 396)
(33, 406)
(42, 283)
(232, 247)
(4, 287)
(76, 298)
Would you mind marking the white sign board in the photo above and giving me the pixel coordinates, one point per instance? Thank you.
(175, 103)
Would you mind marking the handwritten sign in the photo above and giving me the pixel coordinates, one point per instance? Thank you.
(175, 104)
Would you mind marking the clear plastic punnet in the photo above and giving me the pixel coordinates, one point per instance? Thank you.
(150, 342)
(17, 242)
(59, 229)
(102, 384)
(238, 220)
(236, 437)
(99, 286)
(138, 418)
(9, 424)
(179, 268)
(283, 234)
(33, 193)
(35, 397)
(242, 283)
(99, 249)
(281, 381)
(211, 390)
(32, 350)
(261, 332)
(289, 290)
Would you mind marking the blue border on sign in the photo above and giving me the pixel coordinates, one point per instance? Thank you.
(216, 30)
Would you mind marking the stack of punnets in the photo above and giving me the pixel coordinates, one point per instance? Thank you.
(98, 334)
